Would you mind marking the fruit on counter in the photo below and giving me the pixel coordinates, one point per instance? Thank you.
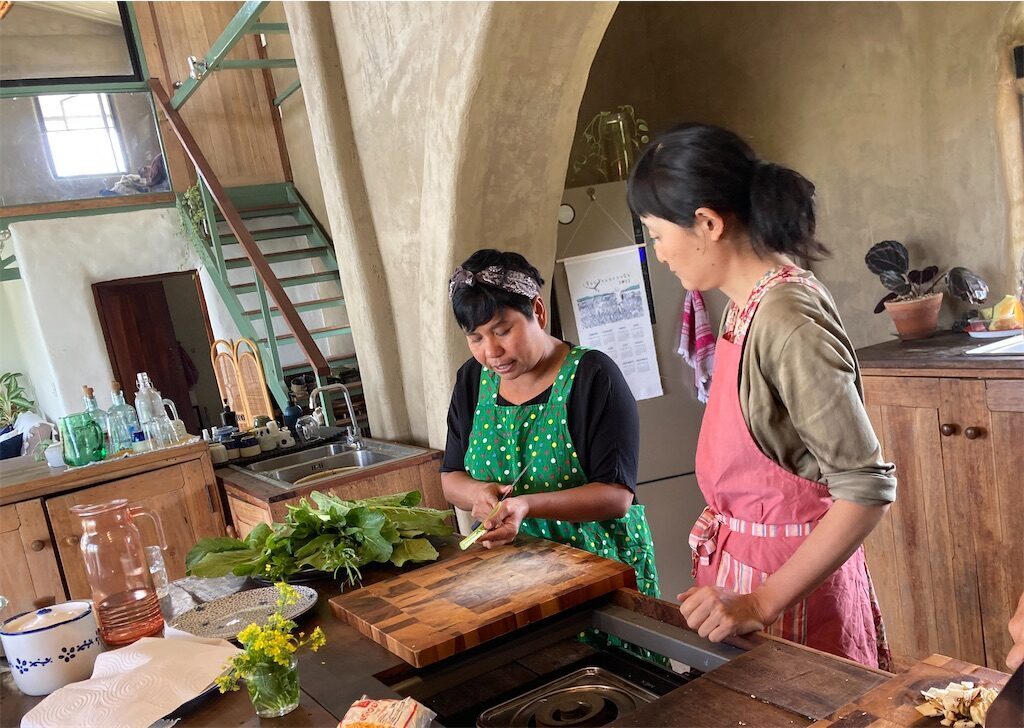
(961, 705)
(333, 536)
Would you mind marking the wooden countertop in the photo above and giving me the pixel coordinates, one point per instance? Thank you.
(21, 480)
(939, 355)
(775, 683)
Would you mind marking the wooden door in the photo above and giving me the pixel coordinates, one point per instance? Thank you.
(28, 569)
(922, 555)
(985, 469)
(182, 495)
(139, 334)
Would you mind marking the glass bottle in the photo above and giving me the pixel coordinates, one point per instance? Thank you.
(122, 420)
(152, 416)
(127, 606)
(92, 408)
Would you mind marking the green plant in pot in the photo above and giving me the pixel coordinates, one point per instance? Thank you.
(913, 301)
(13, 400)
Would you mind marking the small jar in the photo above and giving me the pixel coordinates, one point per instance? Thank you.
(249, 446)
(218, 453)
(231, 445)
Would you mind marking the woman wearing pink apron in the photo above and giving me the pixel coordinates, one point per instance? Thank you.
(786, 459)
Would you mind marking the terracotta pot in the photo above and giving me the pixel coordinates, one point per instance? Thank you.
(915, 319)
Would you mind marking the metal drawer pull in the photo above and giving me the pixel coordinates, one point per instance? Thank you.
(947, 430)
(973, 433)
(72, 540)
(37, 545)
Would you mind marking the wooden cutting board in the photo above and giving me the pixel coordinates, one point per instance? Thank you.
(893, 703)
(435, 611)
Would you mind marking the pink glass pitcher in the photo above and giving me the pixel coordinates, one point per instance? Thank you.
(127, 607)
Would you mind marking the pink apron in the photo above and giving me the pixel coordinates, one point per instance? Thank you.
(759, 513)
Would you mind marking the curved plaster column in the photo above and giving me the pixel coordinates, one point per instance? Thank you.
(363, 276)
(511, 122)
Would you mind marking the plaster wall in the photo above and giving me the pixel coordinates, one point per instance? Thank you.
(72, 46)
(889, 108)
(19, 337)
(60, 259)
(439, 128)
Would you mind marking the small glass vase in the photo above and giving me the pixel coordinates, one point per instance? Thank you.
(274, 688)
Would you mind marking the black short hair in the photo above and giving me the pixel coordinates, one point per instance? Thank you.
(479, 303)
(699, 165)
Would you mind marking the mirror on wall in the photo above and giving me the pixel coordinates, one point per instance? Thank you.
(78, 146)
(43, 42)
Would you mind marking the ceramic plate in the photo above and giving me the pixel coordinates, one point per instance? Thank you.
(994, 334)
(227, 616)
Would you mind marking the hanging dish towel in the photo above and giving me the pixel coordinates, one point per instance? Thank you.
(697, 342)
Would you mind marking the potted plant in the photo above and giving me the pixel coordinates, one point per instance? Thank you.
(912, 301)
(267, 662)
(13, 402)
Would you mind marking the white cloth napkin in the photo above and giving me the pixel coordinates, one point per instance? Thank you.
(134, 686)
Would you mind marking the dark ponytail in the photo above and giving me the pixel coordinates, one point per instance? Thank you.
(698, 165)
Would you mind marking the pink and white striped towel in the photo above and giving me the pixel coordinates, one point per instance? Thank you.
(697, 342)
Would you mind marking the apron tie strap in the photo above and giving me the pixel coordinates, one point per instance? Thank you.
(704, 534)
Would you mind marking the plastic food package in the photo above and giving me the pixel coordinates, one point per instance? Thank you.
(366, 713)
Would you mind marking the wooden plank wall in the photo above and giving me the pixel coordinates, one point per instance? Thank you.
(230, 115)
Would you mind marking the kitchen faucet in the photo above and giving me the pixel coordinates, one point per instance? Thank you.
(355, 435)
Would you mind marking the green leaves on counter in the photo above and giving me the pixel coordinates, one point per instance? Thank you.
(332, 535)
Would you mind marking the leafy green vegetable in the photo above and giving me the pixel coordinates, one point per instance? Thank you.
(332, 535)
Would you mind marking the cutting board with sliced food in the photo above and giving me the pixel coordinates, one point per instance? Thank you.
(899, 701)
(438, 610)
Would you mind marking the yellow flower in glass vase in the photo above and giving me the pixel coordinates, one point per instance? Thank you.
(267, 662)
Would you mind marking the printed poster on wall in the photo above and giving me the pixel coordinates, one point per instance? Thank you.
(612, 315)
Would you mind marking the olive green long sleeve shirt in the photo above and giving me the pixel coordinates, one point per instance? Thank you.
(800, 393)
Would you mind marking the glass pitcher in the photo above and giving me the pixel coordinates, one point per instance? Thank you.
(126, 602)
(82, 438)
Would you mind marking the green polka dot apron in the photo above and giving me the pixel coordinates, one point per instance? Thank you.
(505, 438)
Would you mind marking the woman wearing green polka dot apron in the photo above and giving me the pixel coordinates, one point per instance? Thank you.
(561, 415)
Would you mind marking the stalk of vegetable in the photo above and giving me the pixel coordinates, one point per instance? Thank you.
(332, 535)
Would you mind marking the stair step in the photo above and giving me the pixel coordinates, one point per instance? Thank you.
(248, 213)
(324, 333)
(289, 231)
(301, 307)
(324, 277)
(318, 251)
(337, 360)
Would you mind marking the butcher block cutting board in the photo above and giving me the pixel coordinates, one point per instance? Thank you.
(892, 704)
(435, 611)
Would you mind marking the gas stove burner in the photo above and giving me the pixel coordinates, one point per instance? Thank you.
(587, 698)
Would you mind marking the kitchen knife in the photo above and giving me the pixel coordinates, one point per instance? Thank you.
(1007, 710)
(482, 529)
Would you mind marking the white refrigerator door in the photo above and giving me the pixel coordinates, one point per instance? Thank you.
(668, 424)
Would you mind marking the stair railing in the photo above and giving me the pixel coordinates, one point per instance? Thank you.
(216, 197)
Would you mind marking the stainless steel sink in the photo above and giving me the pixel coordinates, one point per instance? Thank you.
(350, 459)
(285, 470)
(297, 458)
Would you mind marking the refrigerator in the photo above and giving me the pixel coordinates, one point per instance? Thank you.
(597, 218)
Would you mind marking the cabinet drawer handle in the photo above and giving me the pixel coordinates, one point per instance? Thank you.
(973, 433)
(72, 540)
(947, 430)
(37, 545)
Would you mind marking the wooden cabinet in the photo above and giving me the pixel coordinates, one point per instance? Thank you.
(948, 559)
(28, 567)
(39, 536)
(180, 495)
(246, 516)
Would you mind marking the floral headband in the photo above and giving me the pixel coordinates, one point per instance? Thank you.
(512, 281)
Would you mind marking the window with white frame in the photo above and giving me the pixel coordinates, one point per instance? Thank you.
(82, 135)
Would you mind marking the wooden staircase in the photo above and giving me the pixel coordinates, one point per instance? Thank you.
(275, 269)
